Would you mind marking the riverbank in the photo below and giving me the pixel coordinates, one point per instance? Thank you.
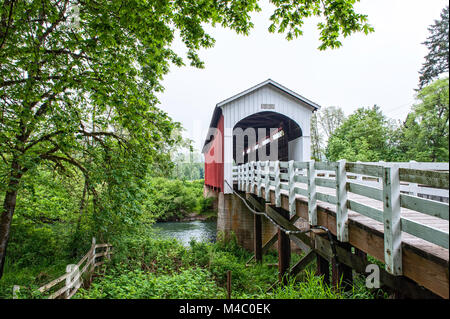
(148, 267)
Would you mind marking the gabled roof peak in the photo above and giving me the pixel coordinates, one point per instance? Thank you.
(275, 84)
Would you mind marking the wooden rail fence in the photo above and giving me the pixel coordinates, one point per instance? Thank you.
(65, 286)
(389, 183)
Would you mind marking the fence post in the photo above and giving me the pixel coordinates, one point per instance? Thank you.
(291, 175)
(15, 291)
(258, 178)
(93, 255)
(70, 271)
(312, 201)
(277, 184)
(267, 181)
(392, 220)
(341, 205)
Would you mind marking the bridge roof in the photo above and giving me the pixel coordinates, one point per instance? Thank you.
(275, 84)
(218, 109)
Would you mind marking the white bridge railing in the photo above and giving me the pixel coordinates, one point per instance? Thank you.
(396, 185)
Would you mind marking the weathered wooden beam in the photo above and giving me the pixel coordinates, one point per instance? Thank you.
(341, 273)
(284, 252)
(302, 263)
(323, 269)
(359, 264)
(257, 237)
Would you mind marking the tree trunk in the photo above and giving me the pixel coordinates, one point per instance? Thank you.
(9, 205)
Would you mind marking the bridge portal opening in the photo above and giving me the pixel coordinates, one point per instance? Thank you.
(267, 136)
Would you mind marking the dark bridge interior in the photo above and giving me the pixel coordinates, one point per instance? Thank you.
(267, 120)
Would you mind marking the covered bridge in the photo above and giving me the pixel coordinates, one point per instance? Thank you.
(265, 122)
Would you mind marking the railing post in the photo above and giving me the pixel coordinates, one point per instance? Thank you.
(341, 204)
(392, 220)
(252, 177)
(277, 184)
(238, 177)
(258, 178)
(247, 177)
(312, 201)
(16, 290)
(291, 175)
(267, 181)
(70, 271)
(93, 254)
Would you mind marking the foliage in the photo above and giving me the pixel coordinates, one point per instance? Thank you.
(366, 136)
(316, 139)
(425, 134)
(323, 124)
(437, 43)
(340, 19)
(78, 82)
(171, 199)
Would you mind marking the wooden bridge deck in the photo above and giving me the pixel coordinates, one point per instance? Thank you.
(425, 263)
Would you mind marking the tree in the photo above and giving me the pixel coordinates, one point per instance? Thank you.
(436, 61)
(316, 139)
(81, 74)
(364, 136)
(330, 118)
(425, 132)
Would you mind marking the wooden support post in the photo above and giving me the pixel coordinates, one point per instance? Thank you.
(312, 200)
(341, 204)
(360, 253)
(277, 185)
(257, 240)
(323, 269)
(302, 263)
(267, 181)
(341, 273)
(291, 174)
(284, 251)
(392, 220)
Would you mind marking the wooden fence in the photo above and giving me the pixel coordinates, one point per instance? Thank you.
(65, 286)
(377, 181)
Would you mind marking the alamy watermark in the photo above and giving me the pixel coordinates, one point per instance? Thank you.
(373, 278)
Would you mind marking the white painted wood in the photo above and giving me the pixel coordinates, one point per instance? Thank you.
(277, 184)
(430, 234)
(70, 270)
(267, 181)
(259, 178)
(291, 183)
(392, 220)
(341, 202)
(360, 189)
(312, 199)
(16, 290)
(426, 206)
(234, 110)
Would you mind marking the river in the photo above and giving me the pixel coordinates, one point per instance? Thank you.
(185, 231)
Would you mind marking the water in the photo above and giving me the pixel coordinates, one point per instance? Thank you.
(185, 231)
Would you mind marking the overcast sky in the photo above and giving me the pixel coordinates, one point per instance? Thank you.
(381, 68)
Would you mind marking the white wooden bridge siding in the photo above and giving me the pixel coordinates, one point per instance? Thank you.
(250, 104)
